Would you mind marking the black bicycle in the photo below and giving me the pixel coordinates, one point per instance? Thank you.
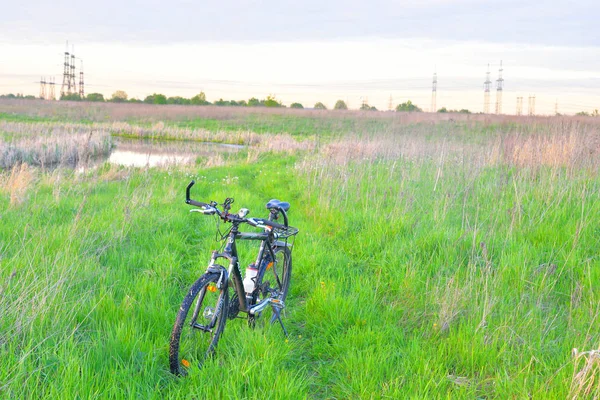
(222, 294)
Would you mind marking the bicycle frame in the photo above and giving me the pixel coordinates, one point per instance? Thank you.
(233, 273)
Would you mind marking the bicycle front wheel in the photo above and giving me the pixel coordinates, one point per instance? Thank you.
(199, 324)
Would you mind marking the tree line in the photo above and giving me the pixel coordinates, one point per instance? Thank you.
(121, 96)
(200, 99)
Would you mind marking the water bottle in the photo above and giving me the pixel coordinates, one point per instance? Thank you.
(251, 272)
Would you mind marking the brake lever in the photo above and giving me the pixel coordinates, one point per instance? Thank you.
(205, 212)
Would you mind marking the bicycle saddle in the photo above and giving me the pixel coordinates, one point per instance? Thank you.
(278, 204)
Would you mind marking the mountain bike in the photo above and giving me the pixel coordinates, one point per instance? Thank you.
(221, 293)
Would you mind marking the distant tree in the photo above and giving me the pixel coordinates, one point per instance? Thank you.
(583, 114)
(18, 96)
(134, 100)
(595, 113)
(408, 106)
(241, 103)
(178, 100)
(160, 98)
(271, 101)
(320, 106)
(69, 97)
(95, 97)
(340, 105)
(366, 107)
(461, 111)
(119, 97)
(199, 99)
(222, 102)
(296, 105)
(254, 102)
(156, 98)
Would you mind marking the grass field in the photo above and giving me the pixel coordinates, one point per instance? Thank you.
(437, 258)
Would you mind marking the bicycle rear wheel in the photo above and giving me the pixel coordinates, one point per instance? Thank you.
(199, 324)
(274, 279)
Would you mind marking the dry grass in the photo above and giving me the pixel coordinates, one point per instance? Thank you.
(585, 383)
(17, 182)
(149, 112)
(51, 144)
(570, 145)
(161, 131)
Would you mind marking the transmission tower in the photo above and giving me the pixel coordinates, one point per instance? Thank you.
(499, 87)
(43, 88)
(556, 107)
(66, 84)
(364, 101)
(531, 105)
(51, 94)
(73, 85)
(390, 104)
(434, 93)
(519, 105)
(486, 92)
(81, 91)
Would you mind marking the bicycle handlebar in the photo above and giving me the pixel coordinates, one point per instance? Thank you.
(262, 221)
(190, 201)
(256, 222)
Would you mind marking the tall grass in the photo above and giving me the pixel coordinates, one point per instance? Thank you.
(433, 261)
(46, 145)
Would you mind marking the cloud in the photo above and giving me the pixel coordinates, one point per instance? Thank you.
(158, 21)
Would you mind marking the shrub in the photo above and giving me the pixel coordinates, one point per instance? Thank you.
(340, 105)
(408, 106)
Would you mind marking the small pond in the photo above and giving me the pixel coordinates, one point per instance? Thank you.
(143, 153)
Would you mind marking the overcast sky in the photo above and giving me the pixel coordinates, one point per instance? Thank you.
(312, 50)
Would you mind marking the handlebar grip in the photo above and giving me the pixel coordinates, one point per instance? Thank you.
(187, 191)
(196, 203)
(273, 224)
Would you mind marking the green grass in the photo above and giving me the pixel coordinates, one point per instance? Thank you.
(413, 278)
(294, 125)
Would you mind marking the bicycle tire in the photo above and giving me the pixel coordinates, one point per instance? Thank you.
(200, 340)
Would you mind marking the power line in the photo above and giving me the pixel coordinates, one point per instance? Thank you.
(43, 88)
(519, 105)
(66, 84)
(486, 92)
(434, 92)
(72, 85)
(51, 96)
(531, 105)
(81, 91)
(499, 87)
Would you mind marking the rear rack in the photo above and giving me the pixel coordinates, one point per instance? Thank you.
(284, 233)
